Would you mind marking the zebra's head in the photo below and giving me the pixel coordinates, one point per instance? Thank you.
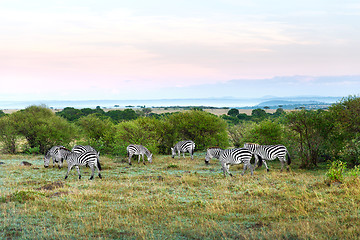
(173, 152)
(207, 158)
(150, 158)
(46, 160)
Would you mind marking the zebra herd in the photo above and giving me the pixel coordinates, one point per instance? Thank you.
(88, 156)
(243, 155)
(78, 156)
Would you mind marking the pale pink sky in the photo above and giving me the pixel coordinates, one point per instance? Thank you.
(113, 50)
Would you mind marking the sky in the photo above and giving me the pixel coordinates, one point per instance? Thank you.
(141, 49)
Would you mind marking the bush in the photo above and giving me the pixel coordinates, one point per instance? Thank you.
(8, 134)
(42, 128)
(205, 129)
(233, 112)
(336, 171)
(145, 131)
(99, 133)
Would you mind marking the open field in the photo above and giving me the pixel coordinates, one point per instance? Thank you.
(173, 199)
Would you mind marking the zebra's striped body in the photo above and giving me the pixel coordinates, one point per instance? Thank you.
(90, 159)
(140, 150)
(56, 158)
(81, 149)
(235, 156)
(213, 152)
(269, 152)
(183, 147)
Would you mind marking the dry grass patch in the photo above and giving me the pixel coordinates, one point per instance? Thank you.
(175, 199)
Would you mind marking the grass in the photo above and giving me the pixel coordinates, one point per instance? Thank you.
(174, 199)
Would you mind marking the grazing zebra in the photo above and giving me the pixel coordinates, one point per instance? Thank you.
(140, 150)
(235, 156)
(90, 159)
(213, 152)
(81, 149)
(183, 147)
(52, 153)
(269, 152)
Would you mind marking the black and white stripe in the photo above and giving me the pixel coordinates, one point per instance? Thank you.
(213, 152)
(270, 152)
(53, 154)
(235, 156)
(183, 147)
(140, 150)
(82, 149)
(90, 159)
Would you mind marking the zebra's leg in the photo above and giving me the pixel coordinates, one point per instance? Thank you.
(78, 171)
(69, 169)
(223, 168)
(92, 172)
(130, 155)
(97, 167)
(256, 161)
(139, 158)
(244, 169)
(282, 164)
(264, 162)
(228, 170)
(143, 159)
(58, 160)
(251, 168)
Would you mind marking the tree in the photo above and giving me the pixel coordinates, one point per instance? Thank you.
(149, 132)
(346, 115)
(233, 112)
(2, 113)
(8, 134)
(314, 130)
(204, 128)
(42, 128)
(258, 114)
(99, 132)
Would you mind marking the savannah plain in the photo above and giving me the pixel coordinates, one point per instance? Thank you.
(180, 198)
(174, 199)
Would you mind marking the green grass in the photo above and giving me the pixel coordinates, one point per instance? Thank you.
(174, 199)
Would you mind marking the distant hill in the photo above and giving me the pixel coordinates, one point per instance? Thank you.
(273, 104)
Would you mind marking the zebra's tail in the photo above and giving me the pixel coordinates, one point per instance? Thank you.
(288, 158)
(98, 163)
(260, 161)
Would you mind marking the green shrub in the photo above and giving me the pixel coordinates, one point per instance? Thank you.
(42, 128)
(205, 129)
(354, 172)
(336, 171)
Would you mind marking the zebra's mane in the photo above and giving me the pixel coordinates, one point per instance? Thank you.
(64, 148)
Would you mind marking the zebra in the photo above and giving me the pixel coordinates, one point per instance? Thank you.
(235, 156)
(90, 159)
(140, 150)
(270, 152)
(52, 153)
(81, 149)
(183, 147)
(213, 152)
